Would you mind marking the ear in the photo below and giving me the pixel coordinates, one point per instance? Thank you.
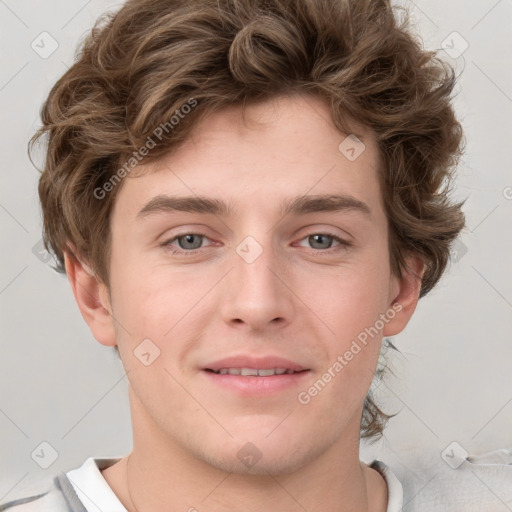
(404, 295)
(91, 296)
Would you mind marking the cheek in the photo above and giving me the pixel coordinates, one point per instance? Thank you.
(152, 299)
(355, 297)
(352, 308)
(168, 306)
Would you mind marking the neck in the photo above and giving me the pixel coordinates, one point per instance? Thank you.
(160, 475)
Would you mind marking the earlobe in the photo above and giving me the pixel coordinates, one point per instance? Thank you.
(92, 299)
(404, 295)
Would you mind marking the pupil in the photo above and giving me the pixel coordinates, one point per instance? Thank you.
(318, 238)
(189, 239)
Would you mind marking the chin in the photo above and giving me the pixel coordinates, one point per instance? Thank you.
(256, 454)
(269, 464)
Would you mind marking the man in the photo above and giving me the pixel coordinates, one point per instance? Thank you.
(245, 199)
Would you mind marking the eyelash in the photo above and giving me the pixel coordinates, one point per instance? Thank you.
(343, 243)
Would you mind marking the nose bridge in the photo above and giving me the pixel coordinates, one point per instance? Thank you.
(256, 294)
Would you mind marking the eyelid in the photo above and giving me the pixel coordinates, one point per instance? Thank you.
(326, 233)
(168, 241)
(342, 242)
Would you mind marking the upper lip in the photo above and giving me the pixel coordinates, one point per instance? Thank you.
(260, 363)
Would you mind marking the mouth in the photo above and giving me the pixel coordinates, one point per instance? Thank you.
(254, 372)
(256, 376)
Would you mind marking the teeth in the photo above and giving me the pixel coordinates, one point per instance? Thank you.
(266, 373)
(254, 372)
(248, 371)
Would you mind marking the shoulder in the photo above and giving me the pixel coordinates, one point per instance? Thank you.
(50, 500)
(62, 494)
(454, 480)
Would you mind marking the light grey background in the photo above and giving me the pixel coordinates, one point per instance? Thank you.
(453, 381)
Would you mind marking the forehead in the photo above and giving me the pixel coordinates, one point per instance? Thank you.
(258, 157)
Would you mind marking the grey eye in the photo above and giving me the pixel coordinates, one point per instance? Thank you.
(322, 240)
(189, 241)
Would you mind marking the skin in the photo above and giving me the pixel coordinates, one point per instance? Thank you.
(302, 298)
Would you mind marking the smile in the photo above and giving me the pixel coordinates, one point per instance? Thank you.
(254, 372)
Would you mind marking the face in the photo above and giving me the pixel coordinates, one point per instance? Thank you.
(284, 268)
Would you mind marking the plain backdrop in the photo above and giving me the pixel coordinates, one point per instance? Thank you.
(452, 381)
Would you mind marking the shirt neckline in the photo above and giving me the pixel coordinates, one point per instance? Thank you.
(95, 493)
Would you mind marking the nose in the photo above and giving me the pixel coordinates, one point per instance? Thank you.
(256, 295)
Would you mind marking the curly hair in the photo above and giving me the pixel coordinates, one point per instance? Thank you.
(140, 66)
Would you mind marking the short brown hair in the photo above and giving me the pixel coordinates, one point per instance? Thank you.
(139, 66)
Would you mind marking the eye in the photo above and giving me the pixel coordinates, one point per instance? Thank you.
(187, 243)
(191, 243)
(324, 241)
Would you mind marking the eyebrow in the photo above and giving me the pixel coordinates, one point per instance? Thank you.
(301, 205)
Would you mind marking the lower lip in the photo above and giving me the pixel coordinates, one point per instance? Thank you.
(257, 386)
